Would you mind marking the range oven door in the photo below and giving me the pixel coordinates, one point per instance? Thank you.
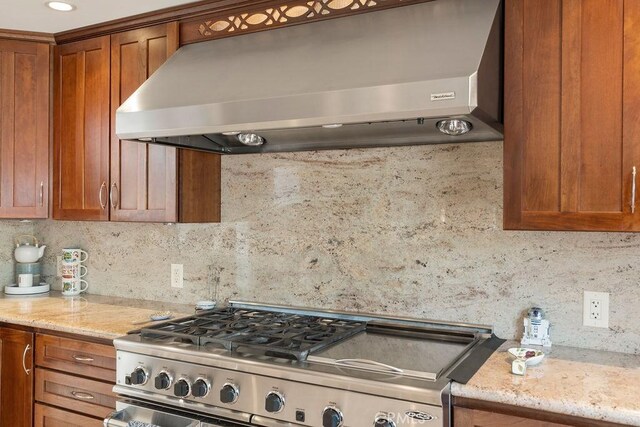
(135, 414)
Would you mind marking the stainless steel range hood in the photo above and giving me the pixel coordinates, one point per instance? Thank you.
(382, 78)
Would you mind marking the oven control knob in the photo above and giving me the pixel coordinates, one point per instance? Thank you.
(384, 422)
(139, 376)
(163, 381)
(332, 417)
(274, 402)
(200, 388)
(182, 388)
(229, 393)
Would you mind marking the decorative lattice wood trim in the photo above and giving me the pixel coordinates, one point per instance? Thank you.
(278, 15)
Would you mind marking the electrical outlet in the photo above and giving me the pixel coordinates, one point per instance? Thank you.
(59, 266)
(176, 276)
(596, 309)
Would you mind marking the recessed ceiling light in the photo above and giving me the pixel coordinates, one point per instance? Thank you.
(60, 6)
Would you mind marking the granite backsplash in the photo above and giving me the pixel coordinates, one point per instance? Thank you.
(413, 231)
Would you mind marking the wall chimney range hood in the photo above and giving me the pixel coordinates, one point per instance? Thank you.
(417, 74)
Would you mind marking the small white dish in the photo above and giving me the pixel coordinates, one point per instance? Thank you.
(521, 353)
(155, 317)
(205, 305)
(164, 315)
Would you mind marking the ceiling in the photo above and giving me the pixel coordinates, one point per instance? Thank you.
(34, 15)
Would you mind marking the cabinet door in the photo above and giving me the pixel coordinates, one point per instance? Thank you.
(24, 129)
(81, 130)
(16, 377)
(143, 175)
(567, 164)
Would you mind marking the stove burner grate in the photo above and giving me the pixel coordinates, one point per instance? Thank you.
(261, 332)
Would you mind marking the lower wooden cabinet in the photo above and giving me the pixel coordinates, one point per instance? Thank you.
(475, 418)
(480, 413)
(74, 379)
(89, 397)
(16, 377)
(88, 359)
(46, 416)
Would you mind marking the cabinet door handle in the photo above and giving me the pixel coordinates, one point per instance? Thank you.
(24, 359)
(103, 206)
(80, 358)
(633, 190)
(82, 395)
(41, 193)
(114, 200)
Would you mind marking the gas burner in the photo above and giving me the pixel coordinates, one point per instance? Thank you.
(258, 332)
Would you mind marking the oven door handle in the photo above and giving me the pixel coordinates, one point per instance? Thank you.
(115, 420)
(368, 364)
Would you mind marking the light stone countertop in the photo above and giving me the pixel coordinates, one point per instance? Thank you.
(90, 315)
(584, 383)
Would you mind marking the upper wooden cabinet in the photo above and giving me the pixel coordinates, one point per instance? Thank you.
(97, 176)
(572, 102)
(81, 130)
(24, 129)
(143, 175)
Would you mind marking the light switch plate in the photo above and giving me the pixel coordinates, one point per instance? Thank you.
(596, 309)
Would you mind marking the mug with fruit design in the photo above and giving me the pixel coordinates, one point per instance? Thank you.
(71, 287)
(74, 255)
(73, 270)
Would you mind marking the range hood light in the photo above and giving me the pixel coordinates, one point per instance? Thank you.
(332, 126)
(250, 139)
(232, 133)
(454, 127)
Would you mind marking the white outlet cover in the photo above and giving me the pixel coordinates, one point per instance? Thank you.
(603, 299)
(177, 279)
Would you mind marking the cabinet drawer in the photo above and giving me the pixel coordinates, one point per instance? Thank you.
(89, 397)
(78, 357)
(46, 416)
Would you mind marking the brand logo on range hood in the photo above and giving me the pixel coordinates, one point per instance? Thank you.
(443, 96)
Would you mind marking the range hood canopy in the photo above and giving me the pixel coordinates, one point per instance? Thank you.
(384, 78)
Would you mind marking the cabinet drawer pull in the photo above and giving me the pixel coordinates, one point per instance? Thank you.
(41, 193)
(24, 359)
(82, 395)
(633, 190)
(103, 205)
(114, 200)
(80, 358)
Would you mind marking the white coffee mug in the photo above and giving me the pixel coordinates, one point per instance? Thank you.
(74, 286)
(74, 255)
(73, 271)
(25, 280)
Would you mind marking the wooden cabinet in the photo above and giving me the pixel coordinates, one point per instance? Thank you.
(479, 413)
(16, 377)
(81, 130)
(73, 375)
(144, 175)
(89, 397)
(572, 99)
(76, 357)
(97, 176)
(24, 129)
(475, 418)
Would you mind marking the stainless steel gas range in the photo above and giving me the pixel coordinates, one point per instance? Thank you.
(260, 365)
